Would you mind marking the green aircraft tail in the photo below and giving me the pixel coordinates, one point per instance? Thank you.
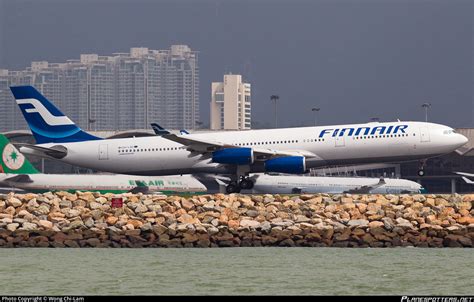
(12, 161)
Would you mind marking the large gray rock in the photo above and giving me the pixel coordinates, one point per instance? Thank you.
(358, 223)
(12, 227)
(89, 222)
(403, 223)
(65, 204)
(141, 208)
(212, 230)
(28, 226)
(74, 225)
(209, 206)
(14, 202)
(72, 213)
(252, 213)
(302, 218)
(95, 205)
(283, 224)
(249, 223)
(388, 223)
(43, 209)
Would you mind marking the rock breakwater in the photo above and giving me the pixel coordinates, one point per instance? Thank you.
(88, 220)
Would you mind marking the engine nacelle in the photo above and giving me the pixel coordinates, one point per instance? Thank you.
(233, 156)
(289, 164)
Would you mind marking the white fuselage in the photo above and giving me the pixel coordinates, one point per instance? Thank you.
(276, 184)
(104, 183)
(160, 156)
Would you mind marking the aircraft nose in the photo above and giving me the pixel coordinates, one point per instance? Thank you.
(462, 140)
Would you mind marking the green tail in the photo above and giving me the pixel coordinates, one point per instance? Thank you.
(12, 160)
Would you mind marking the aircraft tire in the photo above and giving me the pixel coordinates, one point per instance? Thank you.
(246, 184)
(232, 188)
(421, 172)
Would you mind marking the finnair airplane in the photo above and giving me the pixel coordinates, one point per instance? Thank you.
(237, 153)
(18, 173)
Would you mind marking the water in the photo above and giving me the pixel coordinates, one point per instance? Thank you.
(243, 271)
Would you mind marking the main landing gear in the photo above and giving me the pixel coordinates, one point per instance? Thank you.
(244, 183)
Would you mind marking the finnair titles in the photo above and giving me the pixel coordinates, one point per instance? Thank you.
(377, 130)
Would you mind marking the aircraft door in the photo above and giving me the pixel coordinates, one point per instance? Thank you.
(103, 152)
(340, 141)
(424, 135)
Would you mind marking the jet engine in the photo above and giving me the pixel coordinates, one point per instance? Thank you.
(289, 164)
(234, 156)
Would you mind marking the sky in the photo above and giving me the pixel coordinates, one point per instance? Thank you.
(354, 59)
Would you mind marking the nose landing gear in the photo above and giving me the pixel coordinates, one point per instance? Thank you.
(421, 171)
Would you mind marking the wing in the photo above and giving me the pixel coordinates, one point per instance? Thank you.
(21, 178)
(206, 146)
(366, 189)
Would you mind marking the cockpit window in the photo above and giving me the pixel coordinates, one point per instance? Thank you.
(450, 131)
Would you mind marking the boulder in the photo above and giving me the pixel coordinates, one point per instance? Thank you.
(376, 224)
(358, 223)
(465, 220)
(403, 223)
(14, 202)
(27, 226)
(249, 223)
(186, 204)
(233, 224)
(45, 224)
(12, 226)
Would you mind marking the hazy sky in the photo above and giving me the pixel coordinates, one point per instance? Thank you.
(353, 59)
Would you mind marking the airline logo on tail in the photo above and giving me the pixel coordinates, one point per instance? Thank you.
(12, 158)
(47, 123)
(49, 119)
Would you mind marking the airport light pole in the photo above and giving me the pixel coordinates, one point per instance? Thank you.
(426, 106)
(315, 110)
(275, 98)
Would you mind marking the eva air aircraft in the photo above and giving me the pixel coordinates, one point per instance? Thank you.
(17, 172)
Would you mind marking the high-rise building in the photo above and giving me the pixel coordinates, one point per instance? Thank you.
(118, 92)
(230, 104)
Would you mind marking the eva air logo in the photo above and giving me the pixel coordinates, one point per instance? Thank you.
(12, 158)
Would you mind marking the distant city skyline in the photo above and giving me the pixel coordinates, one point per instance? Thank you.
(122, 91)
(352, 59)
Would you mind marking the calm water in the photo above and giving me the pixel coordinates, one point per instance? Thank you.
(244, 271)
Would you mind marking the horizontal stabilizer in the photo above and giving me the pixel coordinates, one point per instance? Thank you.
(57, 151)
(21, 178)
(465, 174)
